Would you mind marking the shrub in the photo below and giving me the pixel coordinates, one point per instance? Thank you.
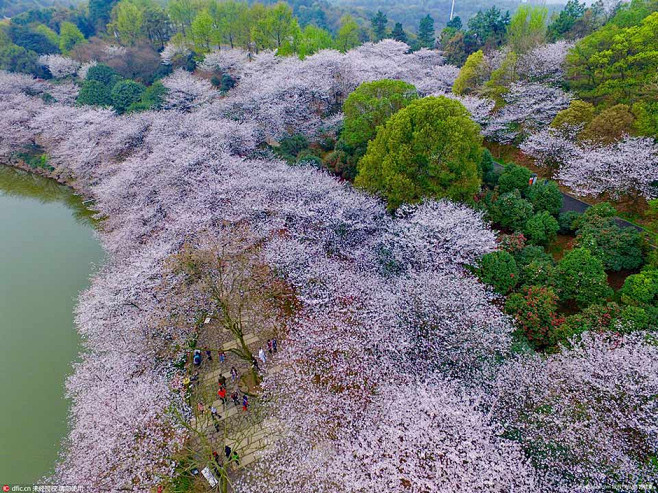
(103, 74)
(541, 229)
(567, 221)
(580, 277)
(487, 170)
(592, 318)
(499, 270)
(94, 93)
(545, 197)
(511, 211)
(17, 59)
(618, 248)
(514, 177)
(290, 147)
(512, 243)
(125, 93)
(640, 289)
(535, 314)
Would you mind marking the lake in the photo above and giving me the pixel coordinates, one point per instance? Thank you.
(48, 252)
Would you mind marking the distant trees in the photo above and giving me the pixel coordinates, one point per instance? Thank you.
(379, 23)
(426, 34)
(431, 148)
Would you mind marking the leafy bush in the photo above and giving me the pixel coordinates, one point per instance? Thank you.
(541, 229)
(103, 74)
(580, 277)
(511, 211)
(514, 177)
(619, 248)
(290, 147)
(545, 197)
(567, 221)
(535, 312)
(125, 93)
(94, 93)
(17, 59)
(640, 289)
(592, 318)
(499, 270)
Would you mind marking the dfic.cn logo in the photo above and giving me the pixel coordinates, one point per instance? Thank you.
(5, 488)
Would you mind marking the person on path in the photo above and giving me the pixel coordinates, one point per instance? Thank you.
(245, 403)
(235, 396)
(222, 380)
(234, 374)
(222, 393)
(222, 356)
(274, 345)
(261, 355)
(269, 346)
(200, 407)
(197, 357)
(209, 354)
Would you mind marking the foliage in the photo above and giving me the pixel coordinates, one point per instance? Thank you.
(511, 211)
(94, 93)
(527, 28)
(541, 229)
(514, 177)
(348, 34)
(564, 23)
(17, 59)
(580, 277)
(499, 269)
(610, 125)
(618, 248)
(568, 222)
(378, 23)
(69, 36)
(578, 115)
(535, 312)
(471, 75)
(369, 106)
(536, 267)
(125, 93)
(398, 33)
(431, 148)
(31, 40)
(545, 197)
(103, 74)
(615, 64)
(426, 32)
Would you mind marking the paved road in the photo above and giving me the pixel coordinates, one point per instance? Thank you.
(571, 203)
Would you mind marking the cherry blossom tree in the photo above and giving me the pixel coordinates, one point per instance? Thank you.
(60, 66)
(586, 415)
(186, 92)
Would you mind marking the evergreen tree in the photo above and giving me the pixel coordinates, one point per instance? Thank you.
(426, 32)
(398, 33)
(379, 22)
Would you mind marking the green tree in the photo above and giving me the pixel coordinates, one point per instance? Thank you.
(379, 23)
(103, 74)
(152, 98)
(641, 289)
(182, 13)
(618, 248)
(348, 34)
(489, 27)
(646, 114)
(31, 40)
(527, 28)
(472, 75)
(536, 267)
(581, 278)
(69, 36)
(94, 93)
(371, 105)
(204, 32)
(128, 22)
(499, 270)
(535, 311)
(610, 125)
(52, 36)
(511, 211)
(398, 33)
(99, 13)
(616, 64)
(576, 116)
(565, 20)
(125, 93)
(17, 59)
(514, 177)
(545, 197)
(426, 33)
(314, 39)
(541, 229)
(431, 148)
(275, 27)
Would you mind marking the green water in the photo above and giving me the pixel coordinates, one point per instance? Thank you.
(47, 253)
